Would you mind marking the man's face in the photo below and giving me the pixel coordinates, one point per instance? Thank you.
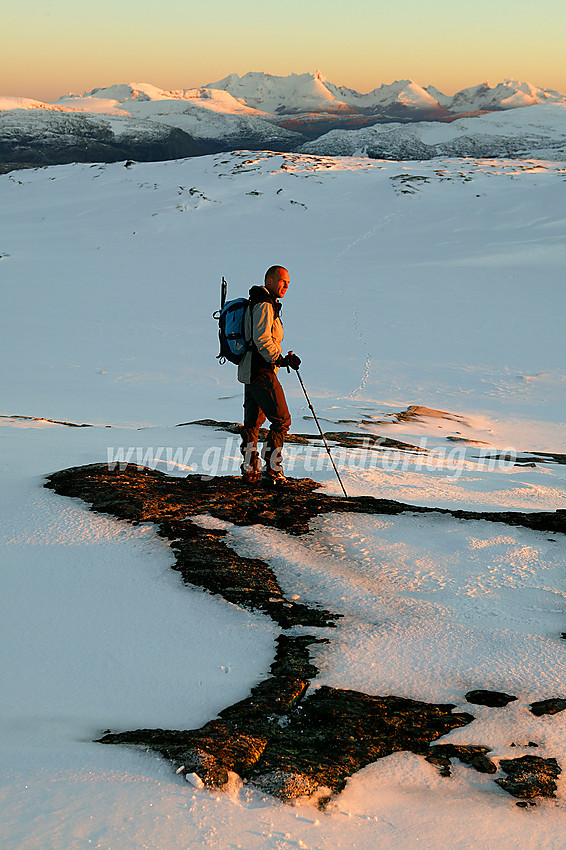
(279, 283)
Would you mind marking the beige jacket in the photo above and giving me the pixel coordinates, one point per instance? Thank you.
(267, 334)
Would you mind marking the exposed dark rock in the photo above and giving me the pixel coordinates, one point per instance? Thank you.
(277, 142)
(548, 706)
(334, 733)
(416, 411)
(53, 421)
(465, 441)
(529, 459)
(348, 439)
(236, 428)
(202, 557)
(288, 785)
(529, 776)
(557, 457)
(7, 167)
(495, 699)
(284, 740)
(314, 126)
(290, 745)
(147, 495)
(351, 439)
(441, 755)
(236, 739)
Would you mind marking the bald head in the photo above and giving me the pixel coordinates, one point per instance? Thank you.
(277, 281)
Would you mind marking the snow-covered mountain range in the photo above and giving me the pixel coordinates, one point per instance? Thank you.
(303, 93)
(262, 111)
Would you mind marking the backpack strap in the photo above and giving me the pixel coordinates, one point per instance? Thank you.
(260, 295)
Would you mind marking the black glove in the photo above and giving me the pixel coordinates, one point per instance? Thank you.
(290, 361)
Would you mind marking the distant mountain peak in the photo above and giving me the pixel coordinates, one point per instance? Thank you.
(291, 94)
(295, 97)
(508, 94)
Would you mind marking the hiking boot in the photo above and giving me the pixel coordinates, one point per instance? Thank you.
(251, 476)
(251, 472)
(273, 476)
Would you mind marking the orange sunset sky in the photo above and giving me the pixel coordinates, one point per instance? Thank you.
(51, 48)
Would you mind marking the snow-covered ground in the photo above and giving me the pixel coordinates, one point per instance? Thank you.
(538, 131)
(436, 284)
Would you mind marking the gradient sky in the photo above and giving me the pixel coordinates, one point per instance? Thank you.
(51, 47)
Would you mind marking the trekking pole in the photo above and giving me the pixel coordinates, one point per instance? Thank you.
(321, 434)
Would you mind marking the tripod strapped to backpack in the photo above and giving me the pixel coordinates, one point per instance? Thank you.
(230, 318)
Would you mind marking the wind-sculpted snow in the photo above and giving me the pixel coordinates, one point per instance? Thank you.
(398, 245)
(425, 303)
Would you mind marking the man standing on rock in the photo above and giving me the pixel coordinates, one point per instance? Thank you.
(263, 394)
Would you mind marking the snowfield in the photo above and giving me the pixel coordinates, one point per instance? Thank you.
(427, 305)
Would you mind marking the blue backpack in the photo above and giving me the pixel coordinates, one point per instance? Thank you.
(230, 319)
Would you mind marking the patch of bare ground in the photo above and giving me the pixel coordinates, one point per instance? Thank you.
(286, 738)
(416, 411)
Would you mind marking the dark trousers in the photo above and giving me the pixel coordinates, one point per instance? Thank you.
(264, 399)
